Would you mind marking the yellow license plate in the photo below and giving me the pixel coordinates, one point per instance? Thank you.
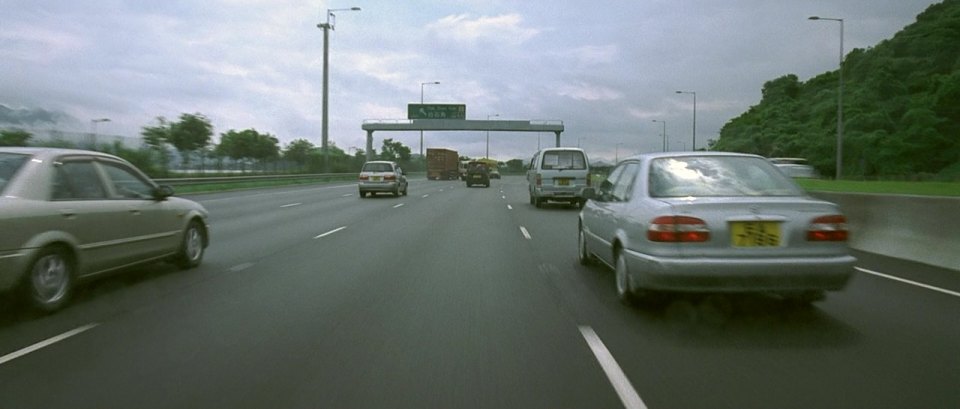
(563, 182)
(755, 234)
(376, 178)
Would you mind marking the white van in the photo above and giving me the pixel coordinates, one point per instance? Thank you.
(558, 174)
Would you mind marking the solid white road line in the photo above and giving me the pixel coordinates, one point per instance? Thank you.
(629, 396)
(904, 280)
(330, 232)
(398, 205)
(42, 344)
(526, 234)
(291, 205)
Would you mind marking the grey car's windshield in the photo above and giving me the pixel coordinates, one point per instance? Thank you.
(717, 176)
(9, 164)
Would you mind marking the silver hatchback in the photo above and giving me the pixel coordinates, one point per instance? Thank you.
(68, 215)
(713, 222)
(382, 176)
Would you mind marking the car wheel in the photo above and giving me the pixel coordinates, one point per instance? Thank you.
(538, 202)
(49, 283)
(487, 185)
(624, 288)
(583, 255)
(191, 248)
(405, 188)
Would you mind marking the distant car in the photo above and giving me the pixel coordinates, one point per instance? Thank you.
(795, 167)
(478, 174)
(713, 222)
(67, 215)
(382, 177)
(558, 174)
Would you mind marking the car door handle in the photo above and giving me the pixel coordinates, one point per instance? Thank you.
(68, 213)
(135, 212)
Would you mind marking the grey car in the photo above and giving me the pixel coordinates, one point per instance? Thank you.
(69, 215)
(713, 222)
(382, 176)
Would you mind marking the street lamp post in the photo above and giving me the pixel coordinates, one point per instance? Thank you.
(664, 133)
(694, 93)
(327, 27)
(839, 98)
(93, 130)
(488, 134)
(421, 103)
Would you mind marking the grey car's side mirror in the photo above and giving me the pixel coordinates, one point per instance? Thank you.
(162, 192)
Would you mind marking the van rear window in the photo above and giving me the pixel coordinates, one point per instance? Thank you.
(563, 160)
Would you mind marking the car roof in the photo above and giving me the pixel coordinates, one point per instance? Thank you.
(44, 153)
(381, 161)
(655, 155)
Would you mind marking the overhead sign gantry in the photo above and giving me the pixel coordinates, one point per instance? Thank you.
(372, 126)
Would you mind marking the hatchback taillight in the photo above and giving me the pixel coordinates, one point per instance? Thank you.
(389, 177)
(364, 177)
(828, 228)
(678, 229)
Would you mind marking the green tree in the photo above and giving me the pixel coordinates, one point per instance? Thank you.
(299, 151)
(247, 145)
(14, 137)
(155, 137)
(190, 133)
(395, 151)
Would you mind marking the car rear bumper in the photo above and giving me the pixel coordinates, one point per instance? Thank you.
(830, 273)
(379, 187)
(559, 193)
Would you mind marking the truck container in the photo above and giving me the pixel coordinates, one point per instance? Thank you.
(442, 164)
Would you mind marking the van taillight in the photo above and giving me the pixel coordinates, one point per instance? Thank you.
(678, 229)
(828, 228)
(539, 180)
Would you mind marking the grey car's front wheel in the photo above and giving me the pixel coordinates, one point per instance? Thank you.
(191, 247)
(583, 254)
(49, 283)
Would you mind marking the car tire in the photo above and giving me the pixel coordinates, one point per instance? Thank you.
(487, 185)
(583, 253)
(191, 247)
(622, 277)
(49, 283)
(538, 202)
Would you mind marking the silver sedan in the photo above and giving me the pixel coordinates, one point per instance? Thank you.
(713, 222)
(68, 215)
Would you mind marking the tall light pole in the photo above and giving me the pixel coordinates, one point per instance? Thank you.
(664, 133)
(421, 103)
(694, 93)
(327, 27)
(93, 130)
(488, 134)
(839, 99)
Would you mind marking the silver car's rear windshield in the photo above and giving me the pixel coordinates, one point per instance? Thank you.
(706, 176)
(377, 167)
(563, 160)
(10, 163)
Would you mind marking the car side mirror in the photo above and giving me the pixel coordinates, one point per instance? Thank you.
(162, 192)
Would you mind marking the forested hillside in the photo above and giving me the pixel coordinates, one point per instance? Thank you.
(901, 107)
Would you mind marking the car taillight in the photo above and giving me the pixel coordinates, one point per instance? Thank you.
(390, 177)
(539, 180)
(828, 228)
(678, 229)
(364, 177)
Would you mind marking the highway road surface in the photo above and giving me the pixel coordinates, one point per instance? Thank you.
(455, 297)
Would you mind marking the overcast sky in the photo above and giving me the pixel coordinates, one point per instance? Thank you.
(606, 68)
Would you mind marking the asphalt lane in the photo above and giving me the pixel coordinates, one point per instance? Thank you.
(457, 297)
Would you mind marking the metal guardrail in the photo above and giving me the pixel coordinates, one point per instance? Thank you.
(205, 180)
(319, 177)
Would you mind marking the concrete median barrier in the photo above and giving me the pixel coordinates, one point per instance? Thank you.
(918, 228)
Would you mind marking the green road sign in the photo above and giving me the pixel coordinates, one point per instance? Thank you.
(436, 111)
